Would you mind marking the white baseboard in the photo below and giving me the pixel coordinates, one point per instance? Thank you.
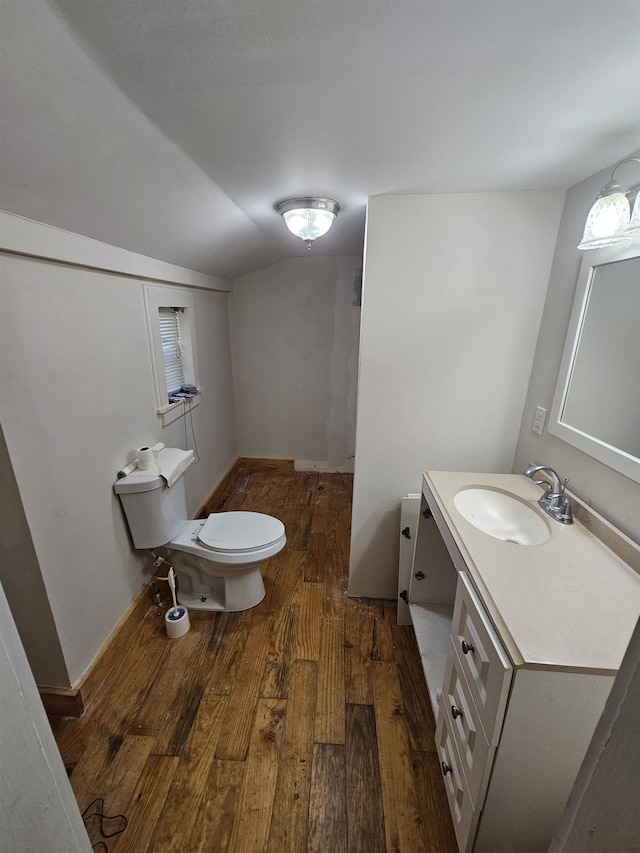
(323, 466)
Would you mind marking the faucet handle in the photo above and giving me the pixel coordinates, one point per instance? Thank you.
(566, 515)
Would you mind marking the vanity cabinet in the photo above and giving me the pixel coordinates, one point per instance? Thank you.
(512, 726)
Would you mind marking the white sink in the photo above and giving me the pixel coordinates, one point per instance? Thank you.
(502, 516)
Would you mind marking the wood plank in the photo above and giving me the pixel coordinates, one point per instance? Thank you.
(417, 707)
(218, 807)
(404, 826)
(146, 805)
(358, 646)
(440, 836)
(310, 597)
(328, 800)
(282, 575)
(113, 704)
(278, 466)
(314, 562)
(115, 787)
(87, 775)
(176, 823)
(382, 645)
(298, 524)
(236, 734)
(336, 569)
(124, 772)
(163, 705)
(303, 489)
(365, 823)
(275, 683)
(329, 723)
(341, 486)
(226, 646)
(334, 520)
(118, 641)
(290, 818)
(255, 804)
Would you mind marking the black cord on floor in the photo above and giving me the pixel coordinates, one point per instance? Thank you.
(96, 809)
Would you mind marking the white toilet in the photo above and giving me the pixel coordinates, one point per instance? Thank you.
(217, 559)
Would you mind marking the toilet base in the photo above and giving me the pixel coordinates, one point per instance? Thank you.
(194, 601)
(211, 587)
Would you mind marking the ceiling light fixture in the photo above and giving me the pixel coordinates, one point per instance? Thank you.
(610, 221)
(308, 218)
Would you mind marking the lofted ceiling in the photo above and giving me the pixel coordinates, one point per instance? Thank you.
(171, 127)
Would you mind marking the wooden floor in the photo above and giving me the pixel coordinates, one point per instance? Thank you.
(300, 725)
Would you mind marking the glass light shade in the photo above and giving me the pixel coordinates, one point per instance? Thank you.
(633, 230)
(307, 223)
(308, 217)
(606, 223)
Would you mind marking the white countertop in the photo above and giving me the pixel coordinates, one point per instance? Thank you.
(570, 602)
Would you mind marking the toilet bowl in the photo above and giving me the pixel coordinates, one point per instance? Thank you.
(216, 560)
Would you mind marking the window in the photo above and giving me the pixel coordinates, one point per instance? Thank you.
(170, 325)
(170, 338)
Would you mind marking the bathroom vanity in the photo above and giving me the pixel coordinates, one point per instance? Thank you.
(520, 645)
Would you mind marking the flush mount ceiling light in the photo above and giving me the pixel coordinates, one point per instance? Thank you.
(308, 218)
(610, 221)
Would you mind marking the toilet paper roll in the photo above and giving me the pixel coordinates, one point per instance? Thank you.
(128, 469)
(146, 458)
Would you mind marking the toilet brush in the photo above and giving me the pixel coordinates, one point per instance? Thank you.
(177, 617)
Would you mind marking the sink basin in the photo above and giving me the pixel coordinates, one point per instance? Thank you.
(502, 516)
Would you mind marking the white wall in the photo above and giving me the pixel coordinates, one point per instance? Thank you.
(77, 152)
(613, 495)
(39, 810)
(22, 582)
(454, 288)
(294, 331)
(76, 396)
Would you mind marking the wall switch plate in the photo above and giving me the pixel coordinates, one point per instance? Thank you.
(539, 419)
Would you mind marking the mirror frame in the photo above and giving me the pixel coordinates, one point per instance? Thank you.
(611, 456)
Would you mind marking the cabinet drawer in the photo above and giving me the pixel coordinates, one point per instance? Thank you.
(460, 803)
(474, 750)
(485, 664)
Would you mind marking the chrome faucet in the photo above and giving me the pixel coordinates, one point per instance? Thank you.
(554, 501)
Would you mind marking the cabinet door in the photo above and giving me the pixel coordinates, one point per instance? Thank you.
(409, 514)
(473, 747)
(484, 662)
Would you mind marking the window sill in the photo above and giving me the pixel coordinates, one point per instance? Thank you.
(169, 414)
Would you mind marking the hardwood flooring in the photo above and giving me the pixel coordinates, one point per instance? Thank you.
(300, 726)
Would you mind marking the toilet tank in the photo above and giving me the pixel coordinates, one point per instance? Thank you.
(155, 513)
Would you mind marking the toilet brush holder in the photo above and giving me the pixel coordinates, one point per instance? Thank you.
(176, 621)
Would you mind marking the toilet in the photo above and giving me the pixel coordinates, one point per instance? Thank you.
(217, 559)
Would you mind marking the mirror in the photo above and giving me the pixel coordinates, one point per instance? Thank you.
(596, 407)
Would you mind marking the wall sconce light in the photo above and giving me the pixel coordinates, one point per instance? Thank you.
(610, 220)
(308, 218)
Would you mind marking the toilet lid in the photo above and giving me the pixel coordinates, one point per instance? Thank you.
(240, 531)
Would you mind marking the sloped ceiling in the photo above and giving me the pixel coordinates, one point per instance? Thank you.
(171, 127)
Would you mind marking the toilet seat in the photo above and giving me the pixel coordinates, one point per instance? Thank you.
(240, 532)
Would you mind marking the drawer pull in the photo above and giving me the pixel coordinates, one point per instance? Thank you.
(445, 768)
(467, 647)
(455, 712)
